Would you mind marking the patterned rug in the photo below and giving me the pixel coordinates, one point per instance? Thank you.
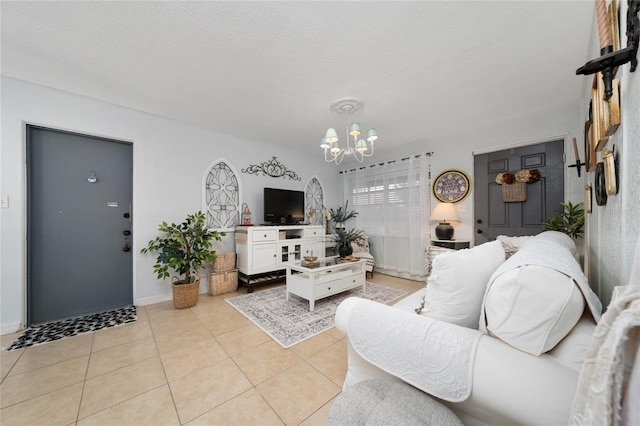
(51, 331)
(290, 322)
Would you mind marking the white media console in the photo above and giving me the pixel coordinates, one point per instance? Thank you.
(265, 251)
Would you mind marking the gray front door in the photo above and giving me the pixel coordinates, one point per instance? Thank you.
(495, 217)
(79, 191)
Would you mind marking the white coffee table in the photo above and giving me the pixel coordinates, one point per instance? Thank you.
(326, 280)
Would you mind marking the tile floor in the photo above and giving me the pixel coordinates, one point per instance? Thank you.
(203, 365)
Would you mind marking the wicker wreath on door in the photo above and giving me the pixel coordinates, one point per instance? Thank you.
(514, 185)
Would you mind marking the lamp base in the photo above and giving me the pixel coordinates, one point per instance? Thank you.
(444, 231)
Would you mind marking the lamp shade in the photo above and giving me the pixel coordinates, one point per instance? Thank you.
(361, 146)
(324, 144)
(355, 129)
(331, 135)
(445, 212)
(372, 135)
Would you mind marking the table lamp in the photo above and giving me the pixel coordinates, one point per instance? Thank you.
(445, 212)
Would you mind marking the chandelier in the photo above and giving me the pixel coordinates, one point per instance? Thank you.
(355, 146)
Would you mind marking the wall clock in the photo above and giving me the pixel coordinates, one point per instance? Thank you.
(451, 186)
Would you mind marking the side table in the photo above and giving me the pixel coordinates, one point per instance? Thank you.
(451, 244)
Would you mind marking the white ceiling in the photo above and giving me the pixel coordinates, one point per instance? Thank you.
(270, 70)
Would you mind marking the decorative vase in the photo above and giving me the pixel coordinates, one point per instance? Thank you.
(345, 250)
(185, 295)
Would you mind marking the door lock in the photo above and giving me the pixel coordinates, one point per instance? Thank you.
(126, 232)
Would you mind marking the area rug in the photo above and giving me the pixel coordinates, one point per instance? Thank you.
(290, 322)
(57, 330)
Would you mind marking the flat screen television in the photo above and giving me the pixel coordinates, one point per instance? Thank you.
(283, 206)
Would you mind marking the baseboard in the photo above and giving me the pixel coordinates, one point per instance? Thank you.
(161, 298)
(11, 328)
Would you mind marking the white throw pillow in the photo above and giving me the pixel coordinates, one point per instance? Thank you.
(532, 307)
(458, 281)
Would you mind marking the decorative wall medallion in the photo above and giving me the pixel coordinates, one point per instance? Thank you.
(272, 168)
(452, 186)
(221, 196)
(314, 202)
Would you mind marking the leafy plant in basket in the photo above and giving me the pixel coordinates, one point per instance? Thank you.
(183, 248)
(345, 238)
(570, 221)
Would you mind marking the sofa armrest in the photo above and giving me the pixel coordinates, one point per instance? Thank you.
(508, 385)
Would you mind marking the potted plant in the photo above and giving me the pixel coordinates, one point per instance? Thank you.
(184, 248)
(341, 215)
(345, 238)
(570, 221)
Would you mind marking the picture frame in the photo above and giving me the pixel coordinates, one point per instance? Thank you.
(590, 155)
(598, 136)
(451, 186)
(613, 13)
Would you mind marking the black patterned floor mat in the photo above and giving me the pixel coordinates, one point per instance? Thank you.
(52, 331)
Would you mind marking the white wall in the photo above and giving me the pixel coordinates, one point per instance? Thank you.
(613, 230)
(455, 151)
(169, 159)
(612, 233)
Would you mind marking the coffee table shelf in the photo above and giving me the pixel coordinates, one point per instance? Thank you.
(326, 280)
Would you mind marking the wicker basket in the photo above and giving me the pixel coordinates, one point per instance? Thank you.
(224, 262)
(223, 282)
(514, 193)
(185, 295)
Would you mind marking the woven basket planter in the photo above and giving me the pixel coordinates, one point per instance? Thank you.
(224, 262)
(514, 193)
(185, 295)
(223, 282)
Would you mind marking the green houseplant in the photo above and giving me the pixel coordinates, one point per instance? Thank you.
(570, 221)
(342, 214)
(183, 248)
(345, 238)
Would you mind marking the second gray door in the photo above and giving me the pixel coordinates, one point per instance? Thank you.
(495, 217)
(79, 201)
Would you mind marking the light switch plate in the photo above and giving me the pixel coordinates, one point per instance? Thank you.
(4, 202)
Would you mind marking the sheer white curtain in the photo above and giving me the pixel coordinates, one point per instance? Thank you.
(393, 200)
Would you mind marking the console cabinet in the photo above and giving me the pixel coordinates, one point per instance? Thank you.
(263, 252)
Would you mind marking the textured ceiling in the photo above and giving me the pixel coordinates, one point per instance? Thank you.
(270, 70)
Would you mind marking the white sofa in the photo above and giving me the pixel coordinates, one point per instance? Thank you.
(499, 384)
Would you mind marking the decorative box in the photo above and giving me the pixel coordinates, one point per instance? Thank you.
(223, 282)
(224, 262)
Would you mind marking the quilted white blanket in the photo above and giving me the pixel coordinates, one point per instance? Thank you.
(610, 358)
(437, 358)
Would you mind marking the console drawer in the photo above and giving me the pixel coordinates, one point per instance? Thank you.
(337, 286)
(258, 236)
